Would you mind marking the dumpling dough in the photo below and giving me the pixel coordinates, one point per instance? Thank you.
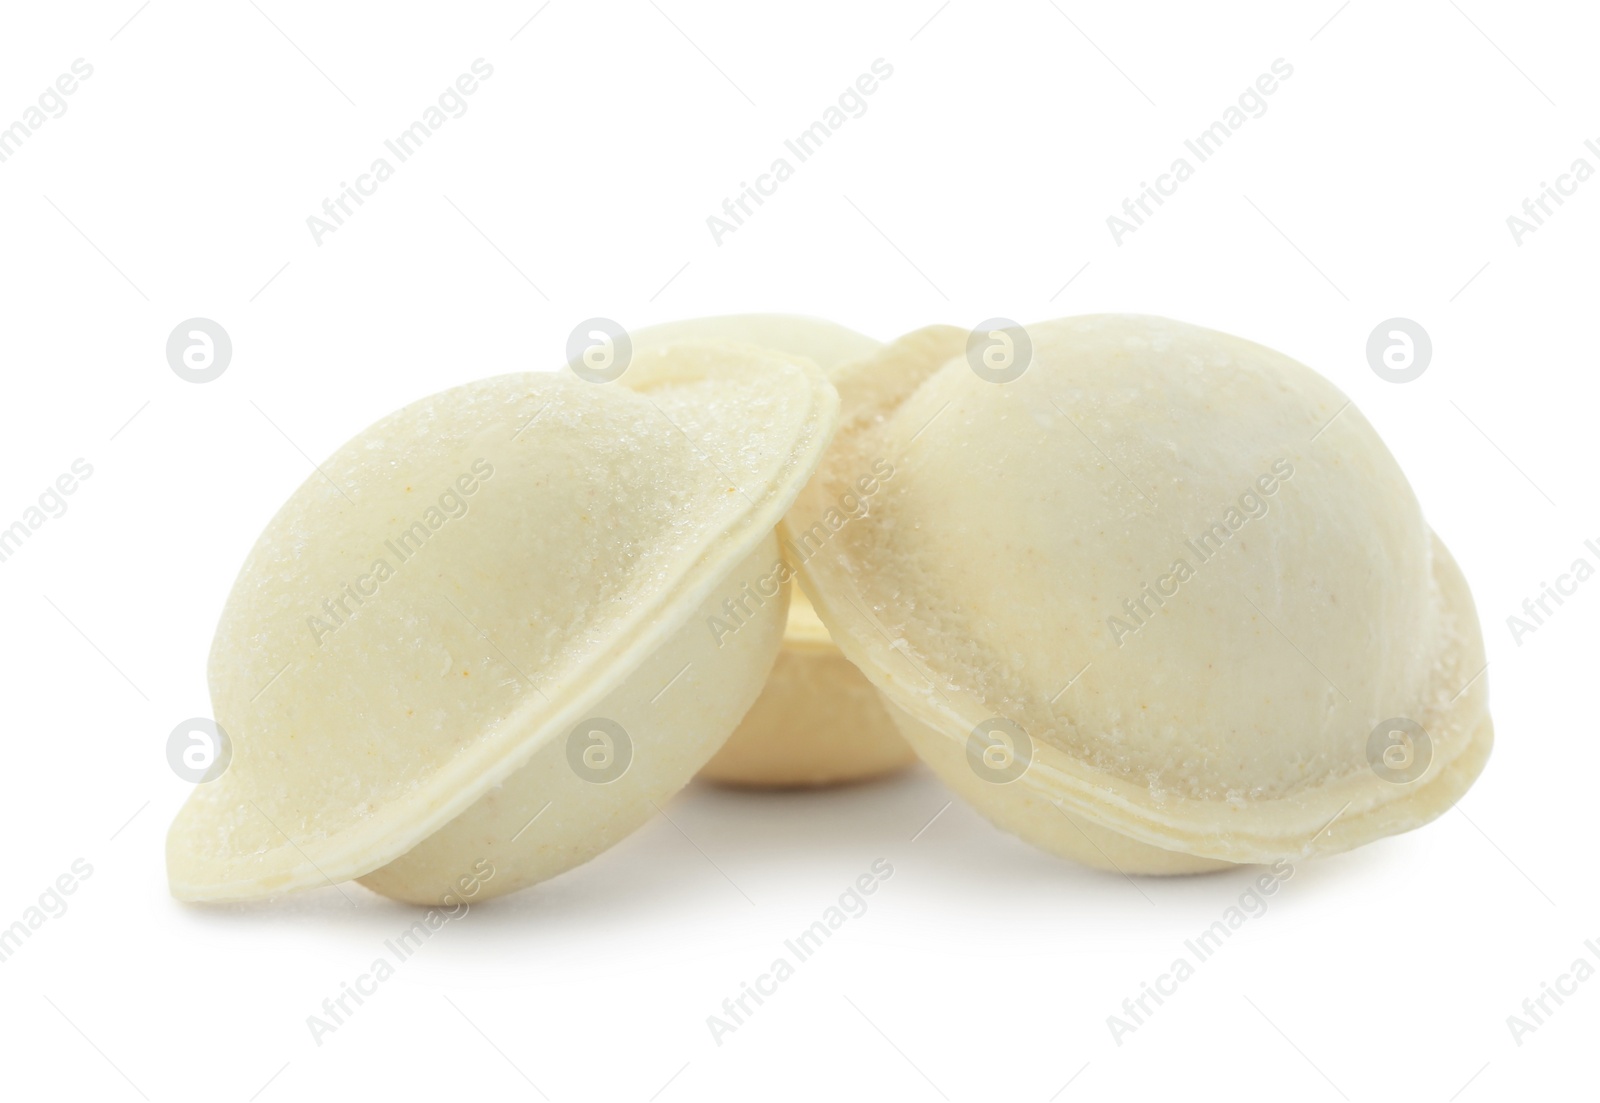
(819, 721)
(1156, 604)
(421, 656)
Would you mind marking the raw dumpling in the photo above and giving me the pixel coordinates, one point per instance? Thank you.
(1162, 602)
(473, 649)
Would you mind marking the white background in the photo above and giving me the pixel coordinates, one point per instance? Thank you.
(578, 183)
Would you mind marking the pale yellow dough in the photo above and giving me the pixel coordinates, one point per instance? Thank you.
(819, 721)
(1226, 719)
(413, 730)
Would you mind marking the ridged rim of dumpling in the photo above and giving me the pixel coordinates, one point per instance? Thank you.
(1345, 812)
(391, 830)
(827, 344)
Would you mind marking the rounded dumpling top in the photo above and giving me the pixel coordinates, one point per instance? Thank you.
(463, 578)
(826, 344)
(1179, 562)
